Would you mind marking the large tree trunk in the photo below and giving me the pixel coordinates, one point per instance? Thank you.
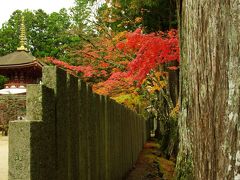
(210, 90)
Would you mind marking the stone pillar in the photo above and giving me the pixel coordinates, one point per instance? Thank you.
(102, 138)
(56, 79)
(92, 134)
(31, 144)
(83, 131)
(107, 111)
(73, 127)
(97, 134)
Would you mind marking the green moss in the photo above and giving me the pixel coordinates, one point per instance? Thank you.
(184, 169)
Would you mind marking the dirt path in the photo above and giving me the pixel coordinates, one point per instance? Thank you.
(151, 166)
(3, 158)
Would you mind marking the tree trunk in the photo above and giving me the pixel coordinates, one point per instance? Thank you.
(210, 90)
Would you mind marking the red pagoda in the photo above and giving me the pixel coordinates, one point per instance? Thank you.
(20, 67)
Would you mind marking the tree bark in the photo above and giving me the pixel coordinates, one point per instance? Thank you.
(209, 125)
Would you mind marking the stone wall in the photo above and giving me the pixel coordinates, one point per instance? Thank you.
(12, 107)
(72, 133)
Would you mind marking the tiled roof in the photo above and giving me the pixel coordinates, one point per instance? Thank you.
(17, 58)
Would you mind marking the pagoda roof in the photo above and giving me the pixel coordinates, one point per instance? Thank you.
(17, 59)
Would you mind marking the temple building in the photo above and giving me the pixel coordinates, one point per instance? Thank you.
(20, 67)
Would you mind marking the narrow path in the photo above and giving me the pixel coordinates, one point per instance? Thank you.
(3, 158)
(151, 165)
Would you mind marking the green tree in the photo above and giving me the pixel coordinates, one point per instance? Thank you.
(9, 34)
(122, 15)
(47, 35)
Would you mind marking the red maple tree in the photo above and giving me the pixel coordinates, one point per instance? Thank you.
(141, 53)
(151, 50)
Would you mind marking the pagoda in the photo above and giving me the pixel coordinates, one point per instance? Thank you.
(20, 67)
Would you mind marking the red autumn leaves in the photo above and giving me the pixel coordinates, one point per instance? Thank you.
(148, 52)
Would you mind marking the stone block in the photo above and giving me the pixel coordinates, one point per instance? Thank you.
(56, 79)
(34, 140)
(83, 131)
(72, 127)
(19, 150)
(30, 152)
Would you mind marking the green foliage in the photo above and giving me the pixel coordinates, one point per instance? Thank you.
(122, 15)
(161, 108)
(117, 18)
(81, 13)
(133, 101)
(3, 80)
(158, 15)
(7, 32)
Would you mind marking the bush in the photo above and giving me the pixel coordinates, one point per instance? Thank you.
(3, 80)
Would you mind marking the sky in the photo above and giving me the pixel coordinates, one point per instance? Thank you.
(7, 7)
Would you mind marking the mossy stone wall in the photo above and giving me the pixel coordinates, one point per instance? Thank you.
(72, 133)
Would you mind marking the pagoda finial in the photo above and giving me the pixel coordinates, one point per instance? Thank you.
(22, 36)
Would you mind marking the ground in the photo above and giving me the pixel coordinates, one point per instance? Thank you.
(3, 157)
(151, 165)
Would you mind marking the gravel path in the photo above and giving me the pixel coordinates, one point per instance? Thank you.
(3, 158)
